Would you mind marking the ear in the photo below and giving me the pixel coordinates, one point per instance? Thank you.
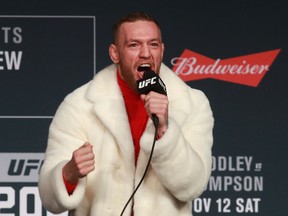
(113, 53)
(163, 47)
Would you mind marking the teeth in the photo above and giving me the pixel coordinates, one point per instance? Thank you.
(143, 67)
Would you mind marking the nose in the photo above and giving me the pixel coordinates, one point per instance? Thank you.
(145, 51)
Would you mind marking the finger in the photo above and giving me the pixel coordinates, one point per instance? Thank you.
(156, 105)
(86, 164)
(85, 149)
(86, 167)
(143, 96)
(81, 157)
(85, 171)
(86, 144)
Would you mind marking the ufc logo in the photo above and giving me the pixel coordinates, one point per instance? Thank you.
(23, 166)
(146, 82)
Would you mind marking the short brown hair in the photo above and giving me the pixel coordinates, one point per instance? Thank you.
(132, 17)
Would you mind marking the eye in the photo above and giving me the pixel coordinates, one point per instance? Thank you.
(133, 45)
(154, 44)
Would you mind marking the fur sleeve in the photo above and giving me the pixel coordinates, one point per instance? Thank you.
(182, 157)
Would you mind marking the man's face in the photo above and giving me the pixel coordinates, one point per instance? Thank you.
(138, 45)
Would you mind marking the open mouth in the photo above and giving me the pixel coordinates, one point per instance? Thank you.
(144, 67)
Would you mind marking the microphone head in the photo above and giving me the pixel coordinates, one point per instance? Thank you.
(151, 82)
(149, 74)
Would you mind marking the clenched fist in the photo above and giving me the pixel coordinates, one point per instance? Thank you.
(80, 165)
(157, 104)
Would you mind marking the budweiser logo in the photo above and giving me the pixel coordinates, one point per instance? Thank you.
(246, 70)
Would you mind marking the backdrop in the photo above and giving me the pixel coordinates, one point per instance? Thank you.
(234, 50)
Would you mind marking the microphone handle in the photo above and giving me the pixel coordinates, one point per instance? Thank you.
(155, 120)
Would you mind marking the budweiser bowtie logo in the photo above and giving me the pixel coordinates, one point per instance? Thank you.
(246, 70)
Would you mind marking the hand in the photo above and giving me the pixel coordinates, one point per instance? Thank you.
(80, 165)
(157, 104)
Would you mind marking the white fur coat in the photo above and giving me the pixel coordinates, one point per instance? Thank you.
(95, 112)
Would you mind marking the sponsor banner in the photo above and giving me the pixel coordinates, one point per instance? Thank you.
(20, 167)
(246, 70)
(235, 186)
(19, 175)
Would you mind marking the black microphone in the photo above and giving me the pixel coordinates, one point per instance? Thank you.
(151, 82)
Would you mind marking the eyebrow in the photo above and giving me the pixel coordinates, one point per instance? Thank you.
(139, 40)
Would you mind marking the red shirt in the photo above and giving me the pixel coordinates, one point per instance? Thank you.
(136, 112)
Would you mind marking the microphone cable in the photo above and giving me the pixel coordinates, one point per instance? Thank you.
(156, 123)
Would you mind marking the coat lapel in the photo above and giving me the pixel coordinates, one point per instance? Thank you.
(109, 107)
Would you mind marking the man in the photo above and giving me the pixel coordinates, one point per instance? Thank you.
(100, 138)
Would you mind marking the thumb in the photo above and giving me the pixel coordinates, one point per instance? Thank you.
(142, 96)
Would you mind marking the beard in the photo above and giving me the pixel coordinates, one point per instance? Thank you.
(128, 76)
